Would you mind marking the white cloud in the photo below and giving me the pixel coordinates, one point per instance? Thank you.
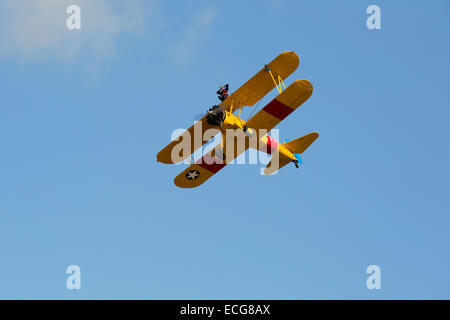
(195, 34)
(36, 29)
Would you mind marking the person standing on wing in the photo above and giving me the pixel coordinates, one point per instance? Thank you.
(223, 92)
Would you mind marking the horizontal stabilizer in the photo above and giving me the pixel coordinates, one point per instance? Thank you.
(301, 144)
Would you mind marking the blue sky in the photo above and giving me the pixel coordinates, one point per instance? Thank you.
(83, 114)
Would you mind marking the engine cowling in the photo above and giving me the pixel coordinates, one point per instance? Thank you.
(216, 116)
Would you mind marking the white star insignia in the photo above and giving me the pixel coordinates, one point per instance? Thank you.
(193, 174)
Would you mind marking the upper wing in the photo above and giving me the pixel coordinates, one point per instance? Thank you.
(262, 83)
(280, 107)
(212, 162)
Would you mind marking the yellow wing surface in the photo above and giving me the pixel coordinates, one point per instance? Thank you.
(282, 106)
(247, 95)
(191, 139)
(197, 173)
(263, 82)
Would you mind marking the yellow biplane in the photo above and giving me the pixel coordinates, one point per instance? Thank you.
(238, 135)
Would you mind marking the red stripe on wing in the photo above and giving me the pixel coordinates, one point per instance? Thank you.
(209, 163)
(277, 109)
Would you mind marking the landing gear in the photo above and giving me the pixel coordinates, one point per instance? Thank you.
(296, 163)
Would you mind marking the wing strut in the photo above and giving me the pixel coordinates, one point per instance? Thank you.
(280, 80)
